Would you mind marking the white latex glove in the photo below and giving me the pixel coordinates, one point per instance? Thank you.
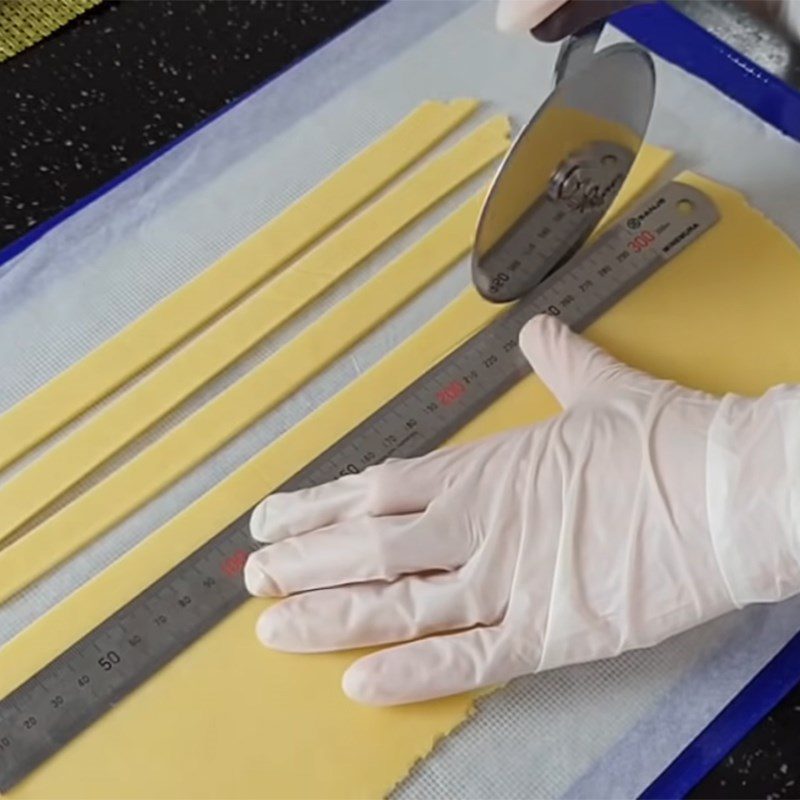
(523, 15)
(643, 510)
(789, 15)
(551, 20)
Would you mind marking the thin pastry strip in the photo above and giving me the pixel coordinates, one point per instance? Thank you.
(233, 410)
(186, 310)
(133, 412)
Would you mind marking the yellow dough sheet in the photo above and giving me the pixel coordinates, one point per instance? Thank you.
(306, 279)
(193, 305)
(230, 719)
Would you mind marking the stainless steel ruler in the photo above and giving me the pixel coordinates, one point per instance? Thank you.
(98, 671)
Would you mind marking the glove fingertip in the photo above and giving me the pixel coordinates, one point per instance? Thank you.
(538, 336)
(267, 519)
(258, 522)
(275, 630)
(257, 580)
(360, 684)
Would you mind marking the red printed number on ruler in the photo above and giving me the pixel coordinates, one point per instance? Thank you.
(451, 393)
(234, 564)
(641, 242)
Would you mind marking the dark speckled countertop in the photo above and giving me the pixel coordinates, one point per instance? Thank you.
(123, 81)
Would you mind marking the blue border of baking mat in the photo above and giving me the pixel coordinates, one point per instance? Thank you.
(678, 39)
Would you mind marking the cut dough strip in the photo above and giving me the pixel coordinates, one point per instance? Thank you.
(61, 467)
(232, 411)
(186, 310)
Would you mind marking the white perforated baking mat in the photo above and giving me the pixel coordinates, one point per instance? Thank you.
(596, 730)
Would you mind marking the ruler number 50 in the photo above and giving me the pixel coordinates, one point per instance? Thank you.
(108, 661)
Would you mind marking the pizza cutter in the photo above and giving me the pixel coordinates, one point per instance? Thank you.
(565, 166)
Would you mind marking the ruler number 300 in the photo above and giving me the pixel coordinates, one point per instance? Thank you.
(641, 242)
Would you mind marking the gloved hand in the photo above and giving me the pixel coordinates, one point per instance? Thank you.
(643, 510)
(551, 20)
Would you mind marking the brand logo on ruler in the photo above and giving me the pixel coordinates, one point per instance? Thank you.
(636, 222)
